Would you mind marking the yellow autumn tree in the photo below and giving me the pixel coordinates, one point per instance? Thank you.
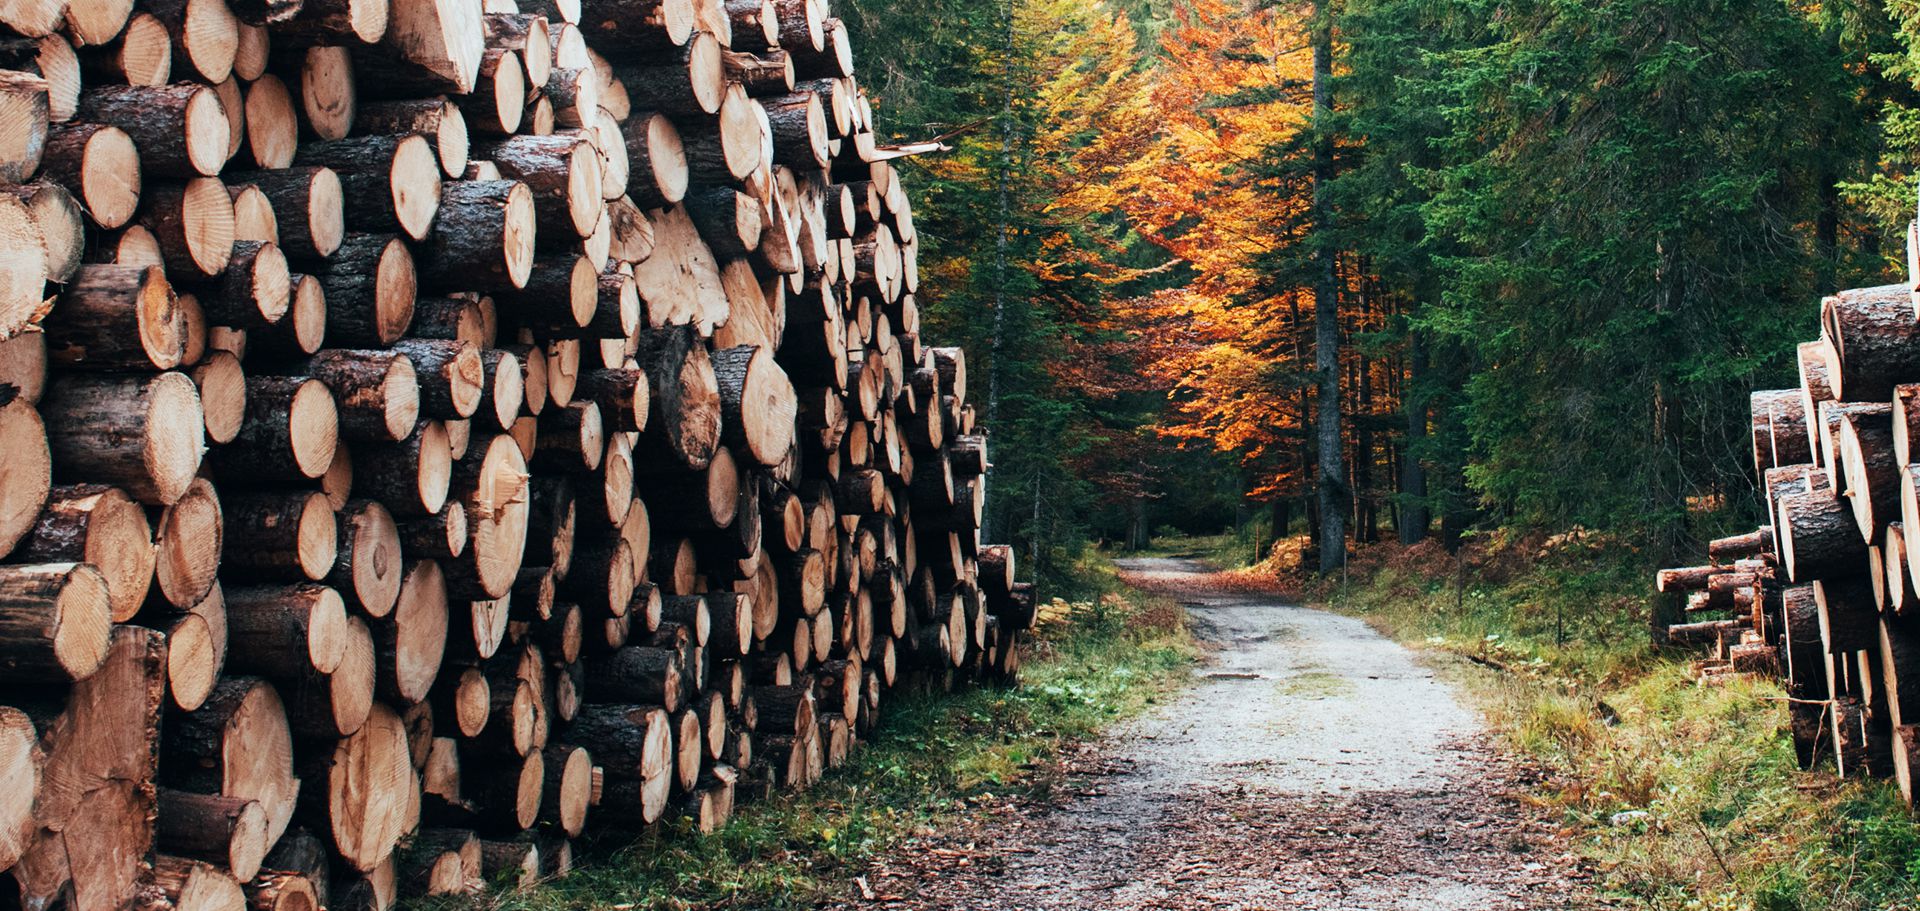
(1229, 87)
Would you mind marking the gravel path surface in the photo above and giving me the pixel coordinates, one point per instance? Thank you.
(1313, 765)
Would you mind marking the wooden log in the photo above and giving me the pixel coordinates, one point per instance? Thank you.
(685, 423)
(526, 34)
(186, 883)
(20, 761)
(277, 631)
(61, 225)
(290, 432)
(363, 790)
(440, 861)
(205, 34)
(140, 433)
(492, 484)
(624, 397)
(727, 147)
(308, 205)
(483, 238)
(767, 73)
(639, 25)
(758, 404)
(230, 832)
(1866, 458)
(497, 105)
(1848, 620)
(563, 173)
(100, 526)
(55, 621)
(370, 285)
(275, 536)
(192, 225)
(437, 118)
(102, 751)
(223, 394)
(561, 297)
(566, 794)
(100, 165)
(571, 439)
(117, 318)
(633, 743)
(1818, 537)
(451, 376)
(272, 130)
(180, 130)
(1872, 341)
(637, 674)
(706, 500)
(411, 477)
(367, 566)
(335, 22)
(602, 578)
(377, 392)
(657, 159)
(375, 890)
(281, 890)
(26, 473)
(388, 182)
(411, 641)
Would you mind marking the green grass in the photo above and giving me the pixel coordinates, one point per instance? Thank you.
(1228, 550)
(1686, 797)
(936, 757)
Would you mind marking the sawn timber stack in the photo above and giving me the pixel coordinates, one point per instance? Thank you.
(430, 428)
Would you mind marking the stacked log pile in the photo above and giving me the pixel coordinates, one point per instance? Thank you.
(1825, 594)
(429, 428)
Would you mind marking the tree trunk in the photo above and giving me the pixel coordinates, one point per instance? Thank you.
(1332, 478)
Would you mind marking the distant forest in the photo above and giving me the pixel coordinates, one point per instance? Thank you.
(1389, 267)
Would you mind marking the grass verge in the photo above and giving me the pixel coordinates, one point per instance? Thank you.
(1089, 664)
(1227, 551)
(1687, 797)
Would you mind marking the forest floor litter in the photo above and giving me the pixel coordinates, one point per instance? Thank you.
(1313, 764)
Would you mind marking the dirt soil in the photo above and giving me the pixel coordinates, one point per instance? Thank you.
(1314, 764)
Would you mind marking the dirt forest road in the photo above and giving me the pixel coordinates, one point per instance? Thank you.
(1314, 765)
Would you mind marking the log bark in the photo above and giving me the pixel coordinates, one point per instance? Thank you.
(685, 423)
(140, 433)
(389, 182)
(180, 130)
(1872, 343)
(230, 832)
(370, 284)
(117, 318)
(1818, 538)
(308, 207)
(100, 165)
(100, 526)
